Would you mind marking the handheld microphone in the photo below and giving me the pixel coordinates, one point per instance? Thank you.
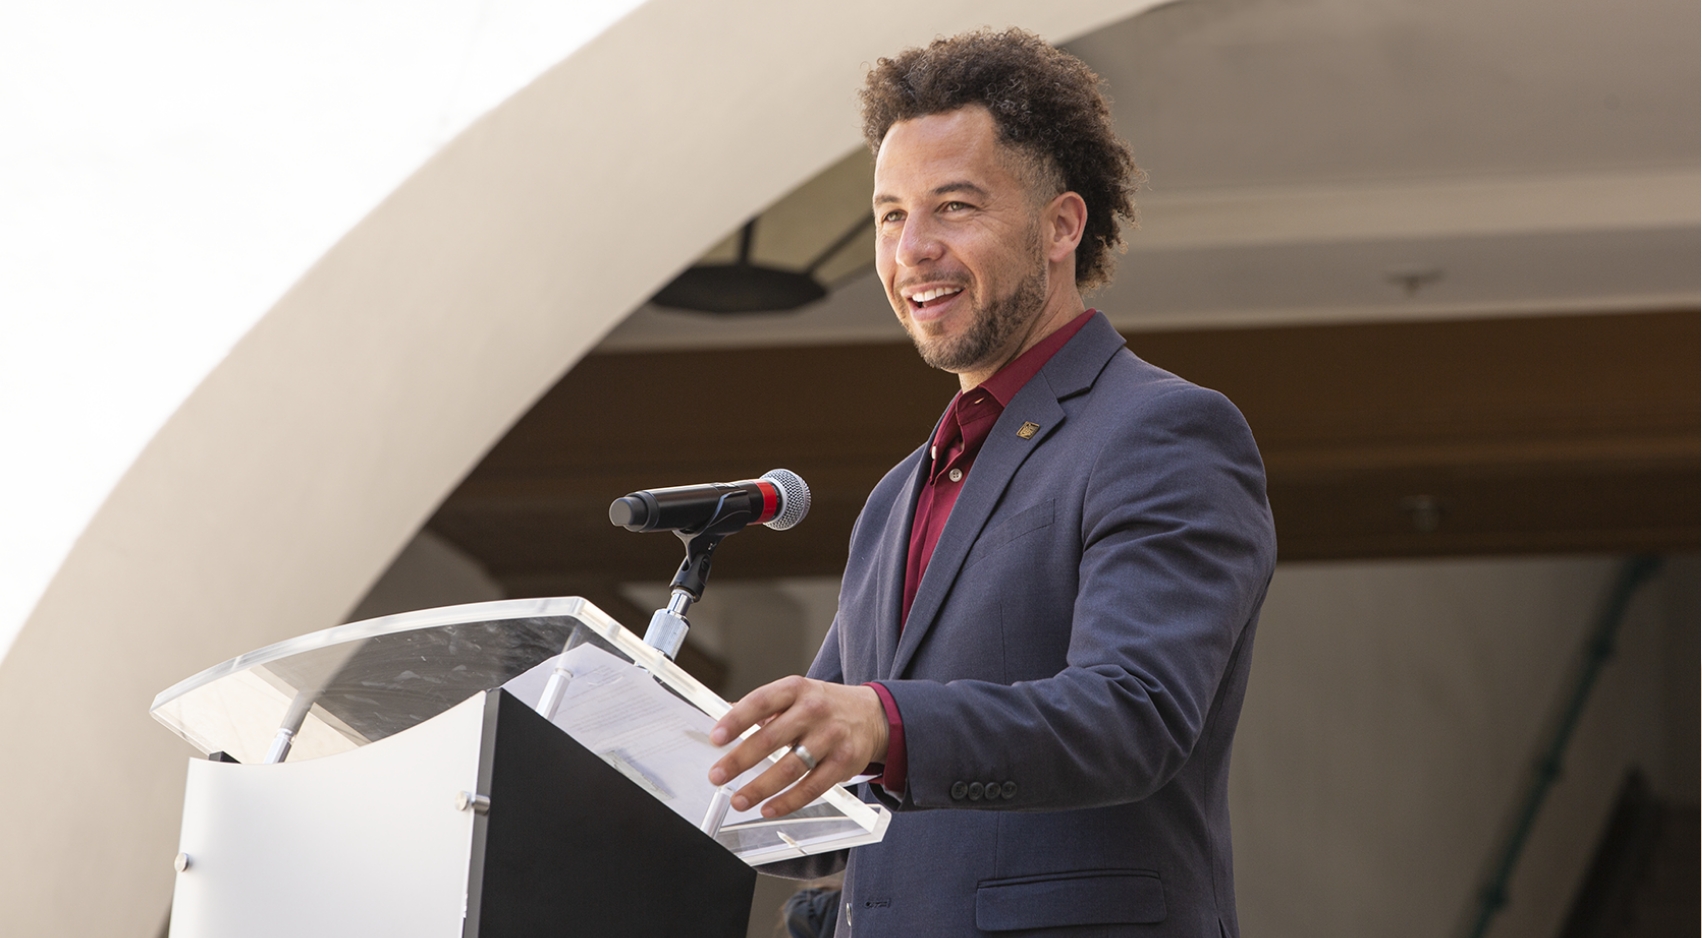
(778, 500)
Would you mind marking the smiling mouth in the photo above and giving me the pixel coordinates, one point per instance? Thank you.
(930, 299)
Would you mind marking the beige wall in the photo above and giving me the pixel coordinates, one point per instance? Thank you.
(1394, 712)
(429, 572)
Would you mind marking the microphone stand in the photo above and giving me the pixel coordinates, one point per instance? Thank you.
(668, 626)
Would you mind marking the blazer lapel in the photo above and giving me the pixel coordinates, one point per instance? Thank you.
(998, 460)
(894, 554)
(1071, 371)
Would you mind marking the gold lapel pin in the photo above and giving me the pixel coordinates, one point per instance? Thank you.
(1028, 430)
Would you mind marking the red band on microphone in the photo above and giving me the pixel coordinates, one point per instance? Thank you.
(770, 500)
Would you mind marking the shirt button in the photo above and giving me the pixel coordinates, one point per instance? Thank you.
(958, 790)
(956, 475)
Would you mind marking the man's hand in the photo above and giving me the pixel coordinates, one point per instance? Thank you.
(843, 727)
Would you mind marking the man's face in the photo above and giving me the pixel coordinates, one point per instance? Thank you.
(958, 239)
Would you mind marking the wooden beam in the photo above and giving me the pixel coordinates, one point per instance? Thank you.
(1566, 433)
(1529, 435)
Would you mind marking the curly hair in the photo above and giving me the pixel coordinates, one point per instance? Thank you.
(1046, 104)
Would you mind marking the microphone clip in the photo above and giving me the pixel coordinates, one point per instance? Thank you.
(668, 626)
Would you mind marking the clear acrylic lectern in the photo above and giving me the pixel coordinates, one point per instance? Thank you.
(402, 775)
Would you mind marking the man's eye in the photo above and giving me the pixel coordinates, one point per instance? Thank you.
(892, 217)
(953, 207)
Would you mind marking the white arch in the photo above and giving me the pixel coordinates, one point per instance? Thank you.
(169, 170)
(289, 477)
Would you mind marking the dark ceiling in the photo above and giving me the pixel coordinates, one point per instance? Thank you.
(1522, 435)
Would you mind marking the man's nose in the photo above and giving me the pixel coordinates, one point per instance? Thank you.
(918, 244)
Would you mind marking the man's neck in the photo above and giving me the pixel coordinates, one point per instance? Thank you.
(1059, 309)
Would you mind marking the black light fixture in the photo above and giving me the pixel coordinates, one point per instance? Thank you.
(744, 287)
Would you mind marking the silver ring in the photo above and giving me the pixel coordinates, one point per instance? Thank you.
(804, 756)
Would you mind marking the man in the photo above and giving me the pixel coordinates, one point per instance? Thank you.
(1047, 616)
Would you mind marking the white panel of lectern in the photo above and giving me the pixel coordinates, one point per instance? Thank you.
(292, 849)
(351, 781)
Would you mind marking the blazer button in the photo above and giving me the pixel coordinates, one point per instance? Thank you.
(992, 789)
(959, 790)
(1008, 790)
(976, 790)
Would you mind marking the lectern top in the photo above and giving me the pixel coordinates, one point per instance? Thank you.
(355, 684)
(367, 680)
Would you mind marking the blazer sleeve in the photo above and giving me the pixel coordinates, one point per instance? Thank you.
(1177, 548)
(827, 666)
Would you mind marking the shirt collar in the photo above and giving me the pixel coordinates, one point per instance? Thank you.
(1007, 381)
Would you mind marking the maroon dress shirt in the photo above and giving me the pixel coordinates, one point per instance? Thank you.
(962, 431)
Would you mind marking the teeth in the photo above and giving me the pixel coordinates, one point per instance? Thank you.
(934, 294)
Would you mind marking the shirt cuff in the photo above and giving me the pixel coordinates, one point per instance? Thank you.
(897, 766)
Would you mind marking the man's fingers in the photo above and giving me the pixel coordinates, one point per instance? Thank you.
(748, 753)
(783, 773)
(758, 706)
(808, 789)
(781, 733)
(844, 728)
(809, 784)
(778, 732)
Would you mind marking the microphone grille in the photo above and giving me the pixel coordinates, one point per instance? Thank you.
(794, 498)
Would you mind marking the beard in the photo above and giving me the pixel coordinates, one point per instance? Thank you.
(991, 327)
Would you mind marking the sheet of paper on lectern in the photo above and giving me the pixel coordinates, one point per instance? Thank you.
(618, 711)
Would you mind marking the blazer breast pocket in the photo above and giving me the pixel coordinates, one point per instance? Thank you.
(1086, 897)
(1002, 532)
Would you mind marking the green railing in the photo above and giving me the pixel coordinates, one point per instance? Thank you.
(1598, 649)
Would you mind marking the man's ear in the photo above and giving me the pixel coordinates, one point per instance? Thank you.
(1066, 221)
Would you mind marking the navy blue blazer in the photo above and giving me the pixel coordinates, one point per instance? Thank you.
(1073, 665)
